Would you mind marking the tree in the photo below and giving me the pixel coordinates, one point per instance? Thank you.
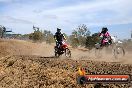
(48, 36)
(75, 33)
(96, 37)
(36, 36)
(74, 41)
(83, 31)
(39, 35)
(79, 35)
(2, 31)
(92, 40)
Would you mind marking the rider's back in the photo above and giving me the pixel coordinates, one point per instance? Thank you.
(59, 36)
(105, 34)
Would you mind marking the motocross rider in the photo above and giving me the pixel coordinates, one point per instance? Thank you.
(59, 37)
(105, 34)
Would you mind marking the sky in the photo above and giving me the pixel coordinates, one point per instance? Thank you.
(21, 15)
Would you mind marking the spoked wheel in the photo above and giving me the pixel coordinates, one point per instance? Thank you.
(67, 53)
(118, 52)
(56, 53)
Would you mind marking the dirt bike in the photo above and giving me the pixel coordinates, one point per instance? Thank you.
(62, 49)
(116, 46)
(118, 50)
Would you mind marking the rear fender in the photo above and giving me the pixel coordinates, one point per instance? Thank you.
(65, 46)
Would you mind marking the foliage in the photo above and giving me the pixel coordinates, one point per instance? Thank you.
(83, 31)
(92, 40)
(48, 37)
(36, 36)
(81, 37)
(39, 35)
(74, 41)
(78, 37)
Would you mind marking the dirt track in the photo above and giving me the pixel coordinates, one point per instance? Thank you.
(27, 65)
(17, 47)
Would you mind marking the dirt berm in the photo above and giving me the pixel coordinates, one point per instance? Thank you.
(29, 65)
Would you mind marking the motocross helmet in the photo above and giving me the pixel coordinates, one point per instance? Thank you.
(104, 29)
(58, 29)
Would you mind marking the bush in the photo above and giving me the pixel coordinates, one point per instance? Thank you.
(36, 36)
(92, 40)
(78, 37)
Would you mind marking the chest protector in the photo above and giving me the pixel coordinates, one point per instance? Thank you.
(59, 36)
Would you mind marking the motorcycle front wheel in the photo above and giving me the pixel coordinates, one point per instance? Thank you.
(67, 53)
